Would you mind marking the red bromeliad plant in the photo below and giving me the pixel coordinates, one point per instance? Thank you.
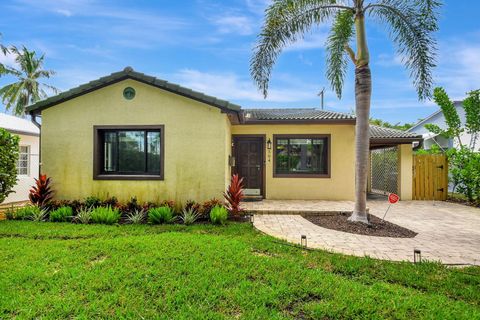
(234, 195)
(41, 193)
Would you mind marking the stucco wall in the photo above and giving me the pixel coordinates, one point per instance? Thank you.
(405, 174)
(25, 182)
(341, 184)
(196, 140)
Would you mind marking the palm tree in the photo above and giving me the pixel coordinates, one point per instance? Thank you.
(28, 88)
(4, 51)
(411, 25)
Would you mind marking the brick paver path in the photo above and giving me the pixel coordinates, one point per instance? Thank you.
(447, 232)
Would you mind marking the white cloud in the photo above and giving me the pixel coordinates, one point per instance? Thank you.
(315, 40)
(230, 86)
(257, 6)
(459, 68)
(389, 60)
(8, 60)
(236, 24)
(64, 12)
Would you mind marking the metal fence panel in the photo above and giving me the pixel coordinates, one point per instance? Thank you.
(384, 170)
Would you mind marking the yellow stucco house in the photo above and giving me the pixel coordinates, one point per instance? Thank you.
(129, 134)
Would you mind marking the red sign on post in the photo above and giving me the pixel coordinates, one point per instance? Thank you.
(393, 198)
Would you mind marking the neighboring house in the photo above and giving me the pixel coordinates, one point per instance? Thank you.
(28, 162)
(435, 139)
(129, 134)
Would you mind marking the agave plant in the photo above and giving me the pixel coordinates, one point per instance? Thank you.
(234, 195)
(39, 215)
(136, 216)
(41, 193)
(84, 215)
(189, 216)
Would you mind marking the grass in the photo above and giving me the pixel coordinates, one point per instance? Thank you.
(61, 270)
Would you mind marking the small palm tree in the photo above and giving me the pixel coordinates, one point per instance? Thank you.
(411, 24)
(28, 88)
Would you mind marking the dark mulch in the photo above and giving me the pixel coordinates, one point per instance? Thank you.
(377, 227)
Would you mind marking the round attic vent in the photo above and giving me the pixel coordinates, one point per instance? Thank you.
(129, 93)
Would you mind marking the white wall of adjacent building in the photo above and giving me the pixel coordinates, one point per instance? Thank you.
(27, 168)
(28, 162)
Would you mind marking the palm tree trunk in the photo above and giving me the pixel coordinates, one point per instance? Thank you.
(363, 92)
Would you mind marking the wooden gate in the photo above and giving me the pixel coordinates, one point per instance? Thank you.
(430, 177)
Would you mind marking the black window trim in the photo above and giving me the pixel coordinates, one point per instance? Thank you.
(97, 153)
(276, 137)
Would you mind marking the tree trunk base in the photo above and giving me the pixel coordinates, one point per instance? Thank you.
(359, 217)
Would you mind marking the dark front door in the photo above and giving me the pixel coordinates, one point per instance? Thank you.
(249, 163)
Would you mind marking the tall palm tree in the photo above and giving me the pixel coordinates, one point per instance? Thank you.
(411, 24)
(28, 88)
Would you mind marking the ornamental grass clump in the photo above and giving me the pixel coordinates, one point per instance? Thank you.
(160, 215)
(105, 215)
(62, 214)
(219, 215)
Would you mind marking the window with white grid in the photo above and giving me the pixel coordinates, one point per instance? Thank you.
(23, 166)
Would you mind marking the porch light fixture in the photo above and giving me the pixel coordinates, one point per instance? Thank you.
(303, 241)
(417, 256)
(269, 144)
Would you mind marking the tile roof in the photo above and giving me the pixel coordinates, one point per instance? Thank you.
(129, 73)
(294, 114)
(312, 114)
(377, 132)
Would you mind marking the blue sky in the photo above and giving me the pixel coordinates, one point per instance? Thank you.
(206, 45)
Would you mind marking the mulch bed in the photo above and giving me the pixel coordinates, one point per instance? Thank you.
(377, 227)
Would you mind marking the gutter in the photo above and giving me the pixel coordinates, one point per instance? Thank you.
(33, 118)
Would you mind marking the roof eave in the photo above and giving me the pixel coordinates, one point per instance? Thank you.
(223, 105)
(300, 121)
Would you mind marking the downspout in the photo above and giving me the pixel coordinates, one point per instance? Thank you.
(420, 145)
(33, 118)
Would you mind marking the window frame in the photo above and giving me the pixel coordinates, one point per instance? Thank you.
(276, 137)
(98, 153)
(28, 153)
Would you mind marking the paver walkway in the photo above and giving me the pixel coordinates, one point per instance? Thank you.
(447, 232)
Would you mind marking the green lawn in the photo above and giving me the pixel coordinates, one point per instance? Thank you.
(56, 270)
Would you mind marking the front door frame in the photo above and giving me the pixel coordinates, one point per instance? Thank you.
(262, 137)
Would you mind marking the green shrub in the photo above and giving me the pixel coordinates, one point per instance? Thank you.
(136, 216)
(62, 214)
(8, 162)
(189, 216)
(92, 202)
(105, 215)
(464, 170)
(160, 215)
(218, 215)
(84, 215)
(23, 213)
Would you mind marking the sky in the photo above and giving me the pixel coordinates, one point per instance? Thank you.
(206, 45)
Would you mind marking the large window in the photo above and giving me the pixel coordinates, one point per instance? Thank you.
(23, 165)
(302, 156)
(129, 152)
